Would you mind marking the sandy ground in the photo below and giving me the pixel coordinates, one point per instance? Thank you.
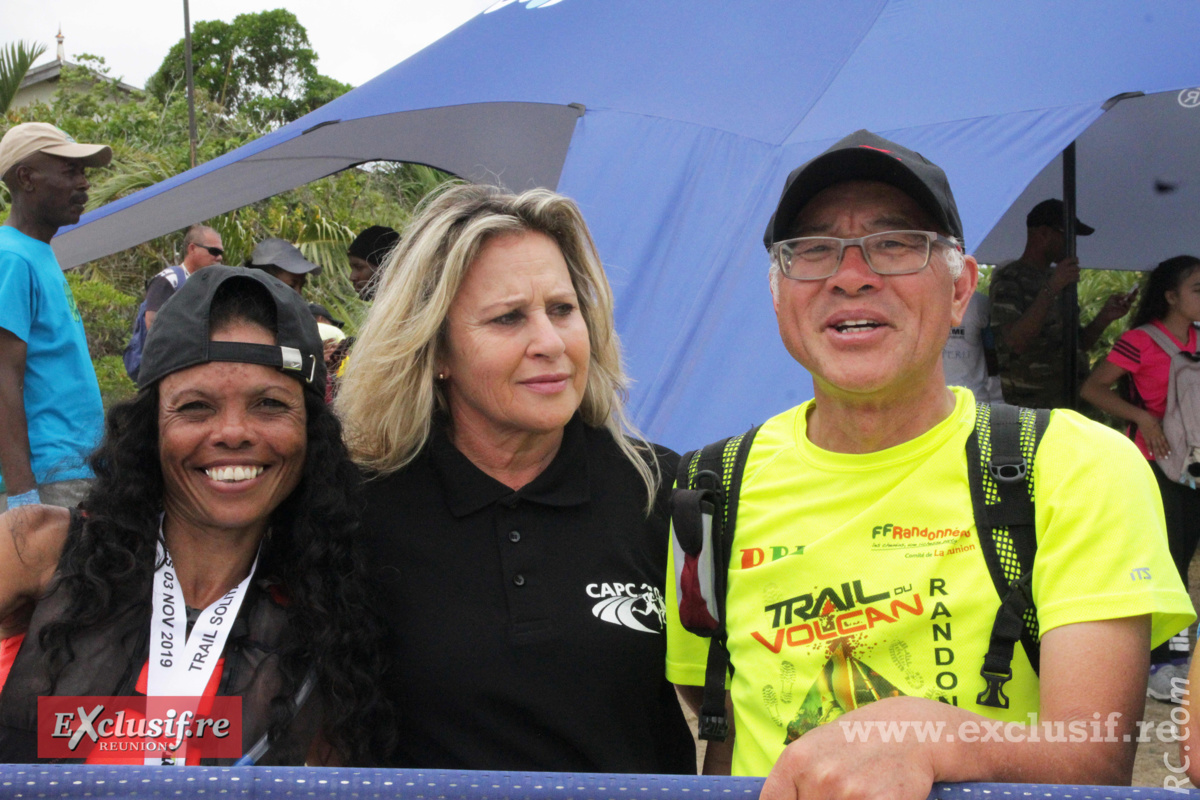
(1154, 757)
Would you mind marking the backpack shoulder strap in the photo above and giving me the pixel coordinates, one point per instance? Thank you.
(723, 461)
(713, 475)
(1161, 339)
(1000, 454)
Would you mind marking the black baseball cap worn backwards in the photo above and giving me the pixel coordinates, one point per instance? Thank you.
(180, 337)
(864, 156)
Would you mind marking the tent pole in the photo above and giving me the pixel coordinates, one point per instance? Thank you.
(1070, 295)
(191, 89)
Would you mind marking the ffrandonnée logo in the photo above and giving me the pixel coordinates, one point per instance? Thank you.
(529, 4)
(628, 606)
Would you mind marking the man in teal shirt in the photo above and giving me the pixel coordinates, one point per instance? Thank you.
(50, 411)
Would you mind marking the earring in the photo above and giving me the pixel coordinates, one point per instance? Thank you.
(441, 376)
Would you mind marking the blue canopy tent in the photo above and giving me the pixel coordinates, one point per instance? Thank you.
(673, 123)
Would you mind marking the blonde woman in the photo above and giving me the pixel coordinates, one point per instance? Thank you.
(516, 522)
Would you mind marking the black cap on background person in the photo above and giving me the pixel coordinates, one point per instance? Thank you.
(1052, 214)
(366, 254)
(321, 314)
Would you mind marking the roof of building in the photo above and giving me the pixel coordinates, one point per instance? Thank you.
(51, 70)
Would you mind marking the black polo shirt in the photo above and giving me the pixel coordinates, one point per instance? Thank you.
(528, 624)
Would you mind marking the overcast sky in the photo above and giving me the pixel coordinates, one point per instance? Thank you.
(354, 39)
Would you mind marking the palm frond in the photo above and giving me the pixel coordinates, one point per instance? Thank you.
(131, 171)
(15, 60)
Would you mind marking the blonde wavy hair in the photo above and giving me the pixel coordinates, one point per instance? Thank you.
(388, 396)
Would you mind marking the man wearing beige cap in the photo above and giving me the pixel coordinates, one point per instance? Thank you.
(50, 411)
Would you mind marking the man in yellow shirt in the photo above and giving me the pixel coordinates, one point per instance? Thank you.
(859, 604)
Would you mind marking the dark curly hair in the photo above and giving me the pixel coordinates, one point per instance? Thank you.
(108, 565)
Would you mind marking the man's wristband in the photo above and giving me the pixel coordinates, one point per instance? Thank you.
(29, 498)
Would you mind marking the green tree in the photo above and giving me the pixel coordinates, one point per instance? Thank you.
(106, 313)
(149, 141)
(15, 60)
(260, 65)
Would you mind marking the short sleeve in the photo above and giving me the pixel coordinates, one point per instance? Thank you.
(16, 295)
(1103, 558)
(157, 293)
(1007, 303)
(1127, 351)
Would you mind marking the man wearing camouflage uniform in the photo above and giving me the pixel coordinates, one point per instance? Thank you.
(1029, 312)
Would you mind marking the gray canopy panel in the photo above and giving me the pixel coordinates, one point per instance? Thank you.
(1137, 184)
(515, 145)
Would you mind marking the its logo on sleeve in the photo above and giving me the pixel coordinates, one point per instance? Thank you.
(629, 605)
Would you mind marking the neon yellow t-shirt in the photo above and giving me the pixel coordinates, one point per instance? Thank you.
(856, 577)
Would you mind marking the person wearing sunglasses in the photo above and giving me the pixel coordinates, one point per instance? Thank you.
(201, 248)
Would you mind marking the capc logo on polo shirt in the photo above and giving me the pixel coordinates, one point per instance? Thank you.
(640, 608)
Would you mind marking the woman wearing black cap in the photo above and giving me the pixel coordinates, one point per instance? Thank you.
(223, 488)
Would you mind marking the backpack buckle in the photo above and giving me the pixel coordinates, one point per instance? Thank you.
(1007, 470)
(708, 480)
(993, 694)
(713, 728)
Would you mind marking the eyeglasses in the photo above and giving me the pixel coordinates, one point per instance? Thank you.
(815, 258)
(215, 252)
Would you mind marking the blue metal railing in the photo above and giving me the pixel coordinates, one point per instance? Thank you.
(80, 781)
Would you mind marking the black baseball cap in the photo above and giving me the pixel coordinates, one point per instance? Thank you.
(864, 156)
(318, 310)
(1052, 214)
(283, 255)
(180, 337)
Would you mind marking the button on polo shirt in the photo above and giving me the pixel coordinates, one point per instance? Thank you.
(531, 590)
(526, 623)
